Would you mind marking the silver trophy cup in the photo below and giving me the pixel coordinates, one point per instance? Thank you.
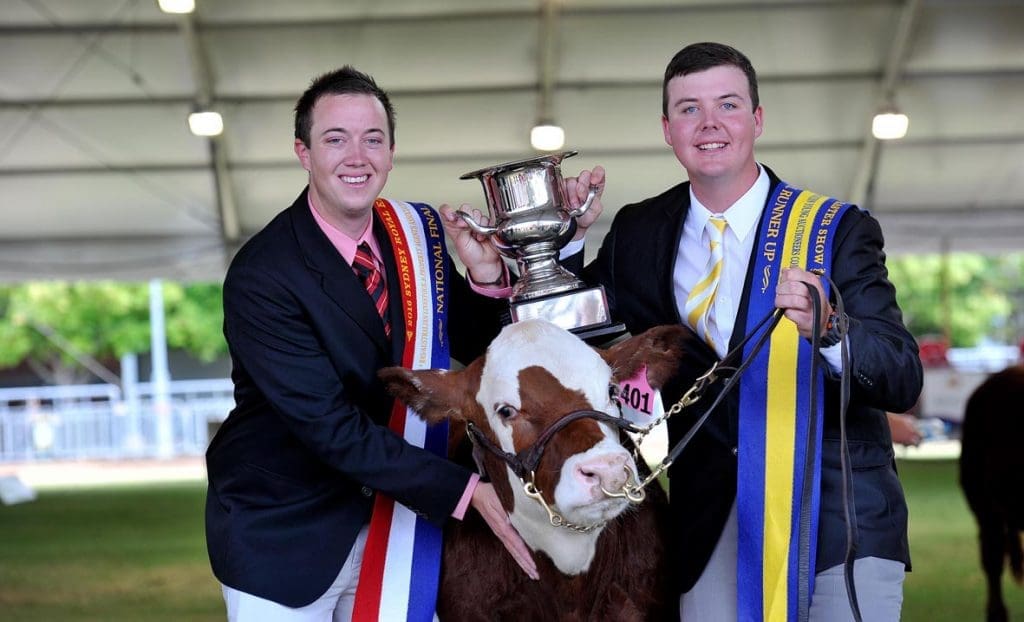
(531, 223)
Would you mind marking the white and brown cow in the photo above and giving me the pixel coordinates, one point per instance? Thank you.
(532, 375)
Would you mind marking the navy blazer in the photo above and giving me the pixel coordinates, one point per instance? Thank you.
(294, 469)
(636, 263)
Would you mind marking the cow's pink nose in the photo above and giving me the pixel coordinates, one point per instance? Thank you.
(607, 471)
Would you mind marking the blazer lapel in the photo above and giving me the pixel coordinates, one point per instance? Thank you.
(675, 212)
(337, 279)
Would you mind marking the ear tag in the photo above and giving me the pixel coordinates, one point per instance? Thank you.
(639, 401)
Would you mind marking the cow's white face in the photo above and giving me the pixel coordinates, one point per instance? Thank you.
(535, 374)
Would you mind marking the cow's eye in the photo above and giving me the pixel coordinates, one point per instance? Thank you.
(505, 411)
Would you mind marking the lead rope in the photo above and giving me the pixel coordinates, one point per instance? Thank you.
(849, 507)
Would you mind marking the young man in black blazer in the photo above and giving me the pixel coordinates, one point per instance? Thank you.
(297, 466)
(653, 257)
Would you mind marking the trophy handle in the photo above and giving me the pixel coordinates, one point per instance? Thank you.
(579, 211)
(475, 226)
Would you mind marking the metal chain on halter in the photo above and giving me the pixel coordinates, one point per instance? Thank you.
(556, 519)
(691, 397)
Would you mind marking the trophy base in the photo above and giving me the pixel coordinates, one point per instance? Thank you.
(583, 312)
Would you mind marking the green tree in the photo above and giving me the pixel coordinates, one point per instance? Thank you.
(981, 292)
(54, 326)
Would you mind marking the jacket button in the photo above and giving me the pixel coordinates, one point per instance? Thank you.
(735, 451)
(366, 491)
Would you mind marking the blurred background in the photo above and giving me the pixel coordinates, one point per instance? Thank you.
(118, 218)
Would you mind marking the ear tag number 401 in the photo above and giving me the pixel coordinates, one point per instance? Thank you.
(639, 402)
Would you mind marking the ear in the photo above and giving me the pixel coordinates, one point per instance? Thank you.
(662, 349)
(758, 122)
(302, 152)
(435, 394)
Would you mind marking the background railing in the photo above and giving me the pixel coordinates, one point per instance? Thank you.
(102, 421)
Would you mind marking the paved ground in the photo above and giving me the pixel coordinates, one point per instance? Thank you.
(946, 449)
(91, 472)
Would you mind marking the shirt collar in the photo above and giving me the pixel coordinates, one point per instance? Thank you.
(742, 215)
(345, 245)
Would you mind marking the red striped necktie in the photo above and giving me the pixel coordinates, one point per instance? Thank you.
(366, 269)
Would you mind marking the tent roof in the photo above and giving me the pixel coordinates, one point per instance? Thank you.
(99, 176)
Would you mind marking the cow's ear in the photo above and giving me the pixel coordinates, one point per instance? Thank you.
(661, 349)
(435, 394)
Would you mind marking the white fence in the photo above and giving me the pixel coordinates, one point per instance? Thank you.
(102, 421)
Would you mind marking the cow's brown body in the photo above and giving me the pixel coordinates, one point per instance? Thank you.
(625, 579)
(992, 477)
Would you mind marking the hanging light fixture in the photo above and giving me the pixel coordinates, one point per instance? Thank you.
(206, 123)
(546, 136)
(177, 7)
(889, 124)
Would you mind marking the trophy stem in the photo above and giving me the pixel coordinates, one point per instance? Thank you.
(540, 273)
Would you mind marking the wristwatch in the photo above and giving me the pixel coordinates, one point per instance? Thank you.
(832, 336)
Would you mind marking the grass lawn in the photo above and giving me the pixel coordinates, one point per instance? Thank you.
(133, 553)
(947, 583)
(110, 554)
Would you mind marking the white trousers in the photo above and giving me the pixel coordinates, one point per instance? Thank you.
(879, 584)
(334, 606)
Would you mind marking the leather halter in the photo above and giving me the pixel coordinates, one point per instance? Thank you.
(525, 463)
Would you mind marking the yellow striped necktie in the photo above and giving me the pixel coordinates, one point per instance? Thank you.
(702, 296)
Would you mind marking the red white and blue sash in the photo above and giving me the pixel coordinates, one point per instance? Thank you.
(402, 561)
(778, 485)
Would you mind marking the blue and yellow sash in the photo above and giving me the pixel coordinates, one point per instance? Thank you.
(402, 561)
(778, 486)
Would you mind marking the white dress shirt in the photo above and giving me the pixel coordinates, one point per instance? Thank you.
(738, 241)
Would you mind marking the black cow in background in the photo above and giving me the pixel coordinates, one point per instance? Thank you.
(992, 477)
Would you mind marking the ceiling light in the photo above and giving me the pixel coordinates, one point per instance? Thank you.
(889, 125)
(206, 123)
(547, 137)
(177, 6)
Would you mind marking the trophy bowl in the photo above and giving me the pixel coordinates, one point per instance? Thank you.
(530, 224)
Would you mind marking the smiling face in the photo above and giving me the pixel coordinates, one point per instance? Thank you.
(711, 125)
(348, 158)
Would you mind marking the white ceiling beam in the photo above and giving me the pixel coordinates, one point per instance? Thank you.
(226, 204)
(867, 166)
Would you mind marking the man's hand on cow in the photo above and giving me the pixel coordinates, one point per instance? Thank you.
(486, 502)
(476, 251)
(793, 296)
(576, 191)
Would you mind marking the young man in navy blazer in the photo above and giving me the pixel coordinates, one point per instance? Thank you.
(649, 262)
(295, 468)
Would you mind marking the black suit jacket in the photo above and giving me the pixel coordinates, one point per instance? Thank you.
(294, 469)
(635, 264)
